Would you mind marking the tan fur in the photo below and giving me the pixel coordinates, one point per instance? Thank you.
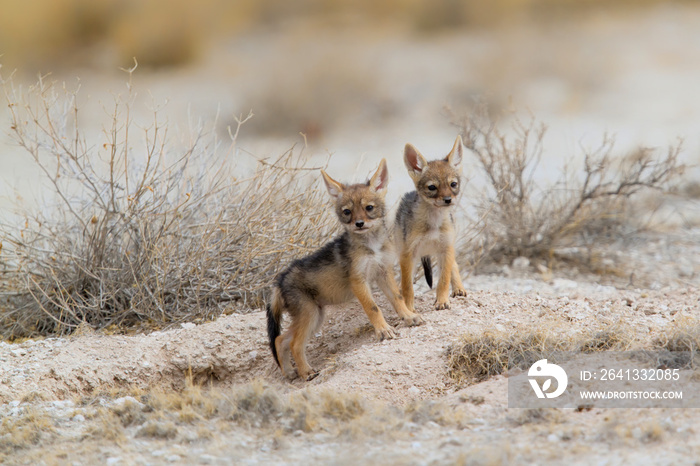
(424, 223)
(343, 268)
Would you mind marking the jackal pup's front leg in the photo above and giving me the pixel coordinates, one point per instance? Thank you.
(363, 294)
(388, 285)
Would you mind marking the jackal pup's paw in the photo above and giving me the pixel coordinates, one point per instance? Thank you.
(413, 320)
(457, 293)
(309, 375)
(385, 333)
(441, 306)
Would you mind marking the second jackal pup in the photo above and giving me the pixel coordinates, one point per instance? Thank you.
(424, 223)
(341, 269)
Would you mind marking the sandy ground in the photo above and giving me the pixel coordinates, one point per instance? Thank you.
(56, 376)
(635, 76)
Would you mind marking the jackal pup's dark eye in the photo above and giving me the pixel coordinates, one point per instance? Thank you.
(347, 211)
(453, 184)
(369, 208)
(432, 187)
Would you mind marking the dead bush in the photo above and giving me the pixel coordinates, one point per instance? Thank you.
(141, 231)
(589, 206)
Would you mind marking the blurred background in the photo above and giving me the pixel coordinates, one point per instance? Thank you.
(359, 78)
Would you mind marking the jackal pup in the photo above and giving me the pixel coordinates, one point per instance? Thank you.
(425, 226)
(341, 269)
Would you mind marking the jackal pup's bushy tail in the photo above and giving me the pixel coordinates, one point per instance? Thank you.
(427, 270)
(274, 321)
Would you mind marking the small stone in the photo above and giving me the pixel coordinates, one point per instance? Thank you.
(188, 325)
(414, 391)
(113, 460)
(62, 404)
(207, 459)
(127, 401)
(452, 442)
(561, 284)
(553, 437)
(521, 263)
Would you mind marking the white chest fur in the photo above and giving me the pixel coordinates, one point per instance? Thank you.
(376, 260)
(436, 236)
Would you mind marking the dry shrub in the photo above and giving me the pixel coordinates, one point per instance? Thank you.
(517, 217)
(477, 357)
(141, 232)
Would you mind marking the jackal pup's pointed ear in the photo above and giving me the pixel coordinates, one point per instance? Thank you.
(455, 155)
(414, 161)
(380, 179)
(335, 189)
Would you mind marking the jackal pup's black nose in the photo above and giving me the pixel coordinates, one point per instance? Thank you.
(447, 200)
(359, 224)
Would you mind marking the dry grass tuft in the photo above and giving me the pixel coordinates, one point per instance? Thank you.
(678, 345)
(25, 430)
(107, 426)
(477, 357)
(257, 403)
(611, 338)
(586, 207)
(537, 416)
(169, 414)
(145, 237)
(129, 411)
(424, 411)
(157, 429)
(682, 336)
